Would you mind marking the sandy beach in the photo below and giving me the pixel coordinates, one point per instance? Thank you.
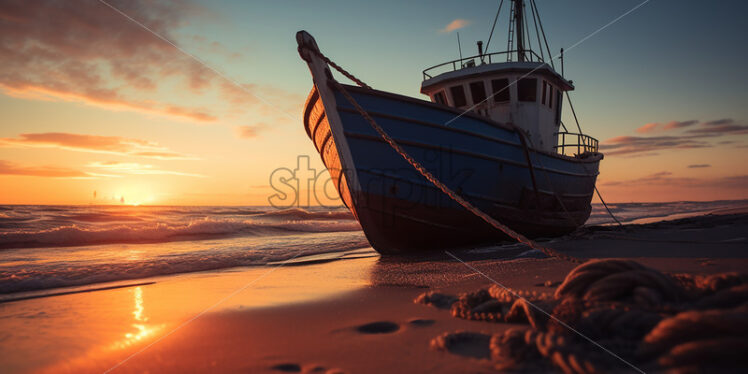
(350, 313)
(367, 187)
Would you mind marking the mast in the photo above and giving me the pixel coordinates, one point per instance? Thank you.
(519, 28)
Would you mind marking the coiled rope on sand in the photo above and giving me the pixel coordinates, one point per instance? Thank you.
(656, 321)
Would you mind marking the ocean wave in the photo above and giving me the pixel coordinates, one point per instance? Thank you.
(298, 213)
(97, 217)
(234, 212)
(40, 276)
(207, 228)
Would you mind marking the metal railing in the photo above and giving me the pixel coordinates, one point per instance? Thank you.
(569, 141)
(476, 60)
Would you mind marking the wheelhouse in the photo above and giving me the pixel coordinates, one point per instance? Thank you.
(527, 94)
(516, 86)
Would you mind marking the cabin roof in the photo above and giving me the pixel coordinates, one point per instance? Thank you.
(537, 68)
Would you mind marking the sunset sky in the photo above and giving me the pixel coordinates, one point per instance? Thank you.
(90, 101)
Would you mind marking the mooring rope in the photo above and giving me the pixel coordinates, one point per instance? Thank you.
(430, 177)
(340, 69)
(600, 196)
(653, 320)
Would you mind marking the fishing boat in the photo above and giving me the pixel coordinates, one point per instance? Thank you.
(491, 133)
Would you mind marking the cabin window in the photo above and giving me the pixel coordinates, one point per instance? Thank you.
(548, 94)
(545, 88)
(559, 97)
(527, 89)
(458, 96)
(439, 98)
(500, 89)
(478, 90)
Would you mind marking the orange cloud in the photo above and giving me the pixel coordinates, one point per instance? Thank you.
(205, 47)
(88, 53)
(136, 168)
(249, 132)
(621, 145)
(672, 125)
(647, 128)
(94, 143)
(107, 99)
(162, 155)
(720, 127)
(9, 168)
(455, 25)
(665, 186)
(693, 138)
(667, 179)
(278, 104)
(723, 121)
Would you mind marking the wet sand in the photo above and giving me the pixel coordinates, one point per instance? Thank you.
(351, 316)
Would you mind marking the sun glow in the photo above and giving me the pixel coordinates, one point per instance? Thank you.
(132, 200)
(133, 195)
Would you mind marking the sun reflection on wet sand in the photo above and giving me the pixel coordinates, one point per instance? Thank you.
(142, 329)
(103, 328)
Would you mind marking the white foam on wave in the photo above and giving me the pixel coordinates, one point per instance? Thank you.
(76, 235)
(298, 213)
(158, 260)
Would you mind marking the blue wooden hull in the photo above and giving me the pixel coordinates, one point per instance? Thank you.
(533, 192)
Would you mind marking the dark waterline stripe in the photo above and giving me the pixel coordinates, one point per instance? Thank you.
(62, 293)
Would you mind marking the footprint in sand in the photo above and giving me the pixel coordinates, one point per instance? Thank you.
(420, 322)
(287, 368)
(380, 327)
(296, 368)
(464, 343)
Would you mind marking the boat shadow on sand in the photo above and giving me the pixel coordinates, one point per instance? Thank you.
(714, 236)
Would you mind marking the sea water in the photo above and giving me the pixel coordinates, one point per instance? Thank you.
(46, 247)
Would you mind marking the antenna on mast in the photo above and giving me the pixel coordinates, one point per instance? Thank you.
(519, 28)
(459, 46)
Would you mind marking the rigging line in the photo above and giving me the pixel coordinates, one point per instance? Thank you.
(494, 25)
(599, 195)
(564, 126)
(535, 7)
(544, 64)
(459, 47)
(568, 98)
(537, 34)
(201, 62)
